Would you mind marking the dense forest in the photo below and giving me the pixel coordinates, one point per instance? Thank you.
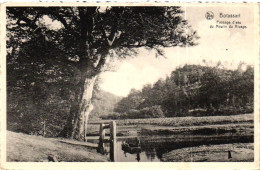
(192, 90)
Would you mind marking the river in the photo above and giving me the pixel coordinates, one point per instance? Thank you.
(152, 148)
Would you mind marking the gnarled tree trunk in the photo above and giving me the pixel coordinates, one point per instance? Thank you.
(85, 107)
(76, 126)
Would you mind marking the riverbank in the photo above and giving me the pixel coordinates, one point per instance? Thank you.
(237, 152)
(212, 135)
(184, 121)
(30, 148)
(202, 138)
(241, 124)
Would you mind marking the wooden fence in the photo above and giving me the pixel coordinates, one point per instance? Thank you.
(111, 140)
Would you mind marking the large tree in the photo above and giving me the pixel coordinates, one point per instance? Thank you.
(88, 36)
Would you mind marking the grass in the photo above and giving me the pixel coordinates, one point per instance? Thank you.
(240, 152)
(194, 125)
(239, 129)
(185, 121)
(29, 148)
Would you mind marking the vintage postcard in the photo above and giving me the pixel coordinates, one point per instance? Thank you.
(142, 85)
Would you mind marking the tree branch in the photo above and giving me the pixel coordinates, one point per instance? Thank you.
(111, 38)
(100, 64)
(102, 28)
(114, 29)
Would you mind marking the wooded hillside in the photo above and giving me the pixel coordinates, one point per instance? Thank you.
(104, 103)
(192, 90)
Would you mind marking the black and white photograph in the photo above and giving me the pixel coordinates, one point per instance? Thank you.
(131, 83)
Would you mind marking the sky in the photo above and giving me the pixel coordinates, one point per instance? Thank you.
(230, 46)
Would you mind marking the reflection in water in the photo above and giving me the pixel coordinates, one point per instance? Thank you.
(138, 157)
(135, 155)
(153, 149)
(151, 153)
(132, 147)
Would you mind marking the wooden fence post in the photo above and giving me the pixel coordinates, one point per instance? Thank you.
(113, 148)
(44, 128)
(102, 133)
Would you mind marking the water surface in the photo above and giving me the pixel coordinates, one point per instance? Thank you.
(153, 148)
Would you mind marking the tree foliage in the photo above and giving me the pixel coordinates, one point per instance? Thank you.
(88, 33)
(54, 55)
(194, 90)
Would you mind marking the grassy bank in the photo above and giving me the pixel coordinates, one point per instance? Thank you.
(29, 148)
(232, 129)
(191, 125)
(185, 121)
(239, 152)
(197, 136)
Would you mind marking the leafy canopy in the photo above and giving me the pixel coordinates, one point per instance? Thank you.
(89, 34)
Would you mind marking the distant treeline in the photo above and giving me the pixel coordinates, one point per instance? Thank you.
(191, 90)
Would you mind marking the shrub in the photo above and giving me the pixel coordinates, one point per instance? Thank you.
(152, 112)
(113, 115)
(133, 114)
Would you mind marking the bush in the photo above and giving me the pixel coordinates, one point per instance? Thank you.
(152, 112)
(148, 112)
(113, 116)
(133, 114)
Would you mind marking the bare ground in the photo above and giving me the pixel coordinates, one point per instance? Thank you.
(29, 148)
